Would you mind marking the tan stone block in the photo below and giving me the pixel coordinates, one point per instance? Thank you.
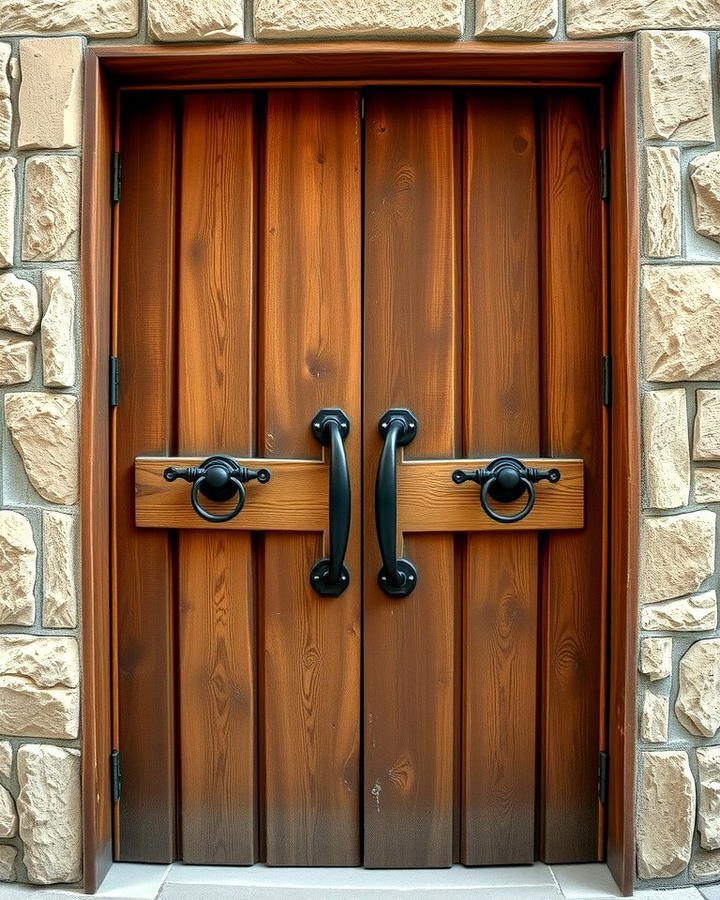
(7, 210)
(507, 18)
(51, 217)
(27, 710)
(656, 658)
(666, 814)
(109, 18)
(17, 361)
(196, 20)
(706, 443)
(662, 199)
(676, 88)
(46, 661)
(50, 812)
(50, 102)
(19, 304)
(8, 814)
(593, 18)
(667, 454)
(707, 485)
(705, 865)
(696, 613)
(705, 196)
(709, 798)
(44, 430)
(6, 110)
(681, 323)
(58, 329)
(6, 757)
(18, 556)
(278, 19)
(59, 588)
(677, 554)
(8, 857)
(698, 701)
(654, 720)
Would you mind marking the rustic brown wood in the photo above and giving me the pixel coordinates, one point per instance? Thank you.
(295, 498)
(573, 329)
(411, 326)
(94, 493)
(501, 416)
(310, 265)
(429, 501)
(216, 413)
(144, 576)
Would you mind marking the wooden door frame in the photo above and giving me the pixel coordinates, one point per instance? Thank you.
(610, 63)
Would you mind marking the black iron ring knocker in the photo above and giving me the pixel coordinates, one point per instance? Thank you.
(218, 479)
(506, 479)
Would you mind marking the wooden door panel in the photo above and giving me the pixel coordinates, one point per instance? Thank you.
(143, 583)
(412, 317)
(310, 345)
(216, 414)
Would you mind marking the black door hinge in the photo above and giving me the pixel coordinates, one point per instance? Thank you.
(115, 775)
(604, 174)
(115, 177)
(603, 763)
(114, 380)
(606, 381)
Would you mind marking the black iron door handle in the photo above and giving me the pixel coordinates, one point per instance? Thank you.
(218, 478)
(330, 576)
(506, 479)
(397, 577)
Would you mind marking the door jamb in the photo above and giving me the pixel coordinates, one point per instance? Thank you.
(109, 68)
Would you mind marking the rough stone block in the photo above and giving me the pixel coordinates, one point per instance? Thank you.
(46, 661)
(707, 485)
(59, 588)
(19, 304)
(706, 443)
(677, 554)
(7, 210)
(18, 556)
(676, 87)
(593, 18)
(709, 798)
(656, 658)
(705, 196)
(50, 102)
(110, 18)
(8, 857)
(196, 20)
(58, 329)
(6, 756)
(278, 19)
(705, 865)
(50, 813)
(666, 814)
(17, 361)
(681, 323)
(8, 814)
(696, 613)
(654, 720)
(507, 18)
(44, 430)
(667, 454)
(698, 701)
(662, 199)
(6, 110)
(51, 223)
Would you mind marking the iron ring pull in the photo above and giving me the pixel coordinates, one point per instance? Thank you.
(330, 577)
(397, 577)
(506, 479)
(218, 478)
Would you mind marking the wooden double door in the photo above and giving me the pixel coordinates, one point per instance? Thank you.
(281, 252)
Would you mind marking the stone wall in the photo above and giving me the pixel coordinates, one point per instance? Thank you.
(41, 61)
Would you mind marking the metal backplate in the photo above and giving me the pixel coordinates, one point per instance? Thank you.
(411, 425)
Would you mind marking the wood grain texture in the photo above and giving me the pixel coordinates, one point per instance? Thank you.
(216, 413)
(411, 357)
(145, 424)
(575, 422)
(429, 500)
(310, 334)
(501, 394)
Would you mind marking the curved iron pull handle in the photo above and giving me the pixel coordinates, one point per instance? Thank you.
(397, 577)
(507, 479)
(218, 478)
(329, 577)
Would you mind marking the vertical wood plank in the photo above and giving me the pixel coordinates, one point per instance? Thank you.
(143, 570)
(310, 301)
(501, 417)
(216, 413)
(411, 328)
(574, 423)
